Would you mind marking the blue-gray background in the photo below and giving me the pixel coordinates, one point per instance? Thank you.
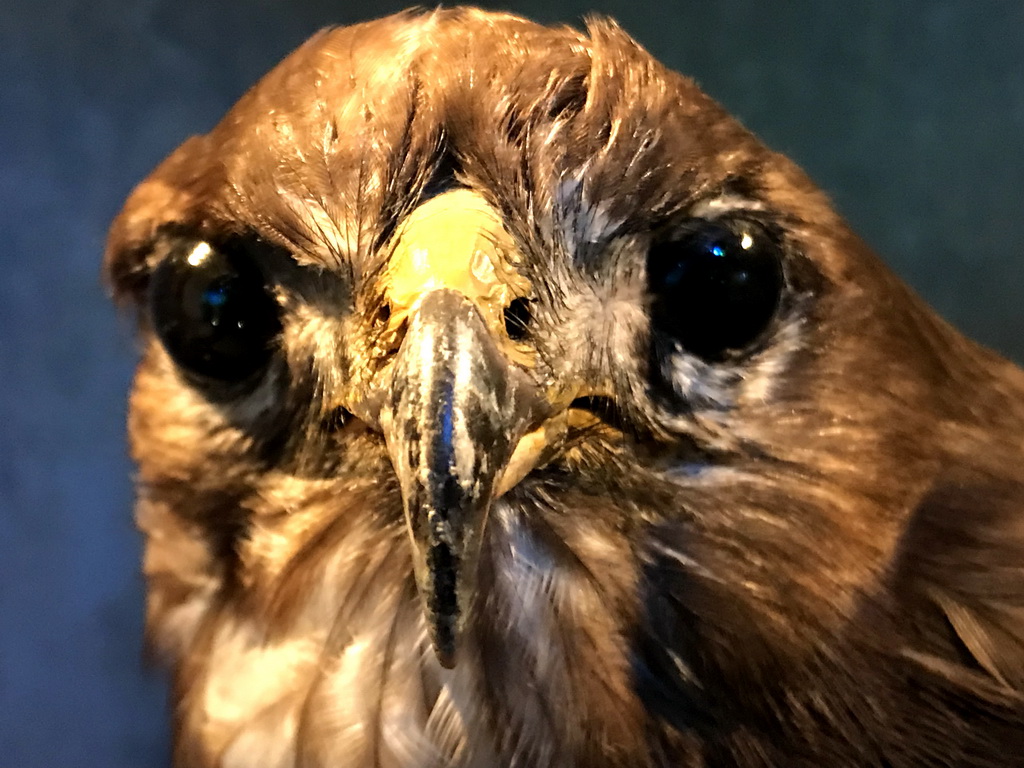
(910, 114)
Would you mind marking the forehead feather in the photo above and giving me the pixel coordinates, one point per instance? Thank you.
(335, 144)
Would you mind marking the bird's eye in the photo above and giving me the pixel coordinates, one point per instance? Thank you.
(213, 312)
(715, 289)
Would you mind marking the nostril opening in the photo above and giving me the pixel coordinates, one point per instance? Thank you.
(383, 314)
(387, 338)
(517, 319)
(336, 418)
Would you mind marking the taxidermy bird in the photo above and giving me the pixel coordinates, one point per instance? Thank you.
(504, 402)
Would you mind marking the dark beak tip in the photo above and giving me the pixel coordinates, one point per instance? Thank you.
(444, 639)
(446, 658)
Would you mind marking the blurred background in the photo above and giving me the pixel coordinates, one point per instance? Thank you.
(910, 114)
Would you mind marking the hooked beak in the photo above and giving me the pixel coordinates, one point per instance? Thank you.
(455, 407)
(457, 410)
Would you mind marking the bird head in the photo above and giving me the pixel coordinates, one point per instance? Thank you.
(466, 333)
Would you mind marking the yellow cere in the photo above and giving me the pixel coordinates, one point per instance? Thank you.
(455, 240)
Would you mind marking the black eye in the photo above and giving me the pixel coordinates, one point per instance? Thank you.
(716, 288)
(213, 311)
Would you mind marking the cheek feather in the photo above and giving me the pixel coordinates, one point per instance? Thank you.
(247, 673)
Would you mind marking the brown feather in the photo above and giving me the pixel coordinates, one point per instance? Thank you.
(811, 554)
